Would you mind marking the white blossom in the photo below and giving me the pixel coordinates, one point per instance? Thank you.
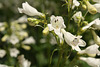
(2, 65)
(96, 38)
(73, 41)
(43, 40)
(77, 16)
(98, 1)
(91, 50)
(95, 24)
(23, 62)
(75, 3)
(91, 61)
(22, 19)
(97, 6)
(57, 23)
(2, 26)
(29, 10)
(29, 40)
(14, 52)
(53, 41)
(2, 53)
(23, 34)
(13, 39)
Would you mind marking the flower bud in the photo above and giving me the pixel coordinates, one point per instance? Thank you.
(26, 47)
(96, 38)
(32, 21)
(92, 55)
(43, 16)
(85, 23)
(84, 7)
(24, 26)
(4, 38)
(91, 8)
(46, 31)
(2, 28)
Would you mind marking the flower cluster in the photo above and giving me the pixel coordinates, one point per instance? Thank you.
(68, 32)
(57, 27)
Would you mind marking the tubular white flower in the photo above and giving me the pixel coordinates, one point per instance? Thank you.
(97, 6)
(77, 16)
(73, 41)
(2, 65)
(98, 1)
(2, 53)
(96, 38)
(57, 23)
(95, 24)
(22, 19)
(75, 3)
(91, 50)
(14, 52)
(13, 39)
(29, 10)
(23, 62)
(91, 61)
(29, 40)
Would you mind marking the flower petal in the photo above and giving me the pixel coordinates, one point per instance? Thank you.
(97, 6)
(29, 10)
(89, 25)
(50, 27)
(76, 48)
(57, 31)
(82, 43)
(52, 17)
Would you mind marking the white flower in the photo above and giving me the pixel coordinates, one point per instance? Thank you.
(91, 50)
(14, 52)
(2, 53)
(29, 40)
(22, 19)
(77, 16)
(91, 61)
(96, 38)
(23, 34)
(75, 3)
(2, 65)
(53, 41)
(2, 26)
(23, 62)
(29, 10)
(97, 6)
(98, 1)
(57, 23)
(13, 39)
(95, 24)
(43, 40)
(73, 41)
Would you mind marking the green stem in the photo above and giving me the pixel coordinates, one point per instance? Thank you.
(52, 55)
(85, 14)
(60, 57)
(69, 11)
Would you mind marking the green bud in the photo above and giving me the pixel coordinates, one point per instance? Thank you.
(91, 8)
(46, 31)
(32, 21)
(26, 47)
(43, 16)
(85, 23)
(84, 7)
